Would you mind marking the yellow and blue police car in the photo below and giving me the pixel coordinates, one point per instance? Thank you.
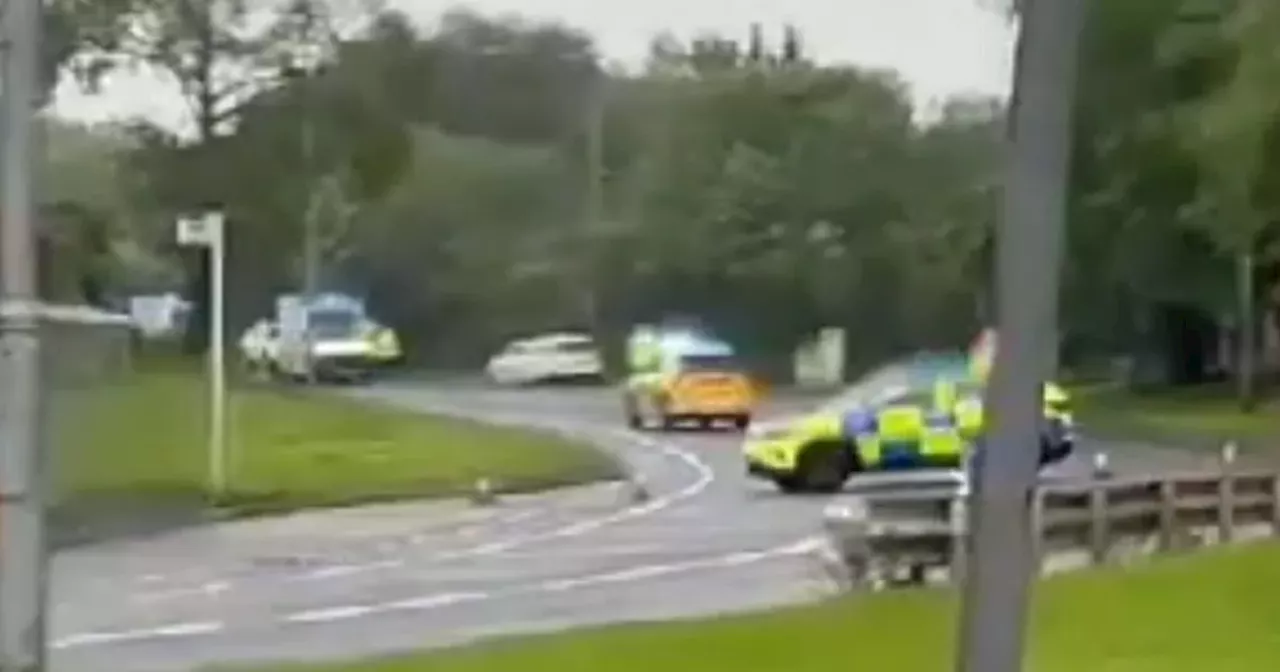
(925, 411)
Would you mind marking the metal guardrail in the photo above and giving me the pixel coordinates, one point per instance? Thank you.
(84, 346)
(917, 533)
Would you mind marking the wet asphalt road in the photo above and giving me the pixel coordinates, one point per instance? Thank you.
(333, 585)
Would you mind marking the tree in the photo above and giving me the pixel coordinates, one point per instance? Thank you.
(1228, 132)
(218, 53)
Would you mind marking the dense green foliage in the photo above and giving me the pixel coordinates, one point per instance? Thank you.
(450, 172)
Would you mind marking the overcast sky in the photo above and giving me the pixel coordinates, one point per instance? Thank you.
(941, 47)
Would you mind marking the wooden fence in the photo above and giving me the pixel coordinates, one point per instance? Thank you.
(919, 533)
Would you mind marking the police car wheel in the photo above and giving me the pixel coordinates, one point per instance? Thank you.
(824, 467)
(790, 484)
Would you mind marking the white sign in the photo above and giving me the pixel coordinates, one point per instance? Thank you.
(203, 231)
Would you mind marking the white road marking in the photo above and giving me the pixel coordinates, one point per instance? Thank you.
(338, 571)
(433, 601)
(705, 477)
(171, 631)
(626, 575)
(331, 614)
(211, 589)
(441, 600)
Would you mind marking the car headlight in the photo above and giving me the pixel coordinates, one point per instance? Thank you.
(767, 432)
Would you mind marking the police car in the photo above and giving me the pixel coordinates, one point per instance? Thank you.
(680, 374)
(925, 411)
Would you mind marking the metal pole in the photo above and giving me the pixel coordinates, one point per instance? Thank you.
(310, 235)
(23, 557)
(594, 211)
(217, 355)
(311, 223)
(1029, 242)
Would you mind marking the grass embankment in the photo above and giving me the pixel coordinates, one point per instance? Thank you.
(1215, 612)
(1198, 417)
(142, 440)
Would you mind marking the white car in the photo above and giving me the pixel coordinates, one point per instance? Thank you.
(547, 358)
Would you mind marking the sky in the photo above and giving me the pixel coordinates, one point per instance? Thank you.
(940, 47)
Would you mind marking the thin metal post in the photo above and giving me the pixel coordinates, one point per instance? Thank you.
(1029, 243)
(594, 210)
(310, 236)
(217, 356)
(23, 554)
(311, 222)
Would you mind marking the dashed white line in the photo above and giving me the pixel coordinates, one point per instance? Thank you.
(331, 614)
(171, 631)
(433, 601)
(339, 571)
(441, 600)
(210, 589)
(352, 611)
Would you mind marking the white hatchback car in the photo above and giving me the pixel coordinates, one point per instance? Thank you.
(547, 358)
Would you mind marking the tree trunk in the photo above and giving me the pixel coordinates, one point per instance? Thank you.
(1246, 370)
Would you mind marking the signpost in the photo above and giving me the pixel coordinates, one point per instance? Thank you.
(208, 231)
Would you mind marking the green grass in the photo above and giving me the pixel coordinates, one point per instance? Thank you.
(1216, 612)
(142, 440)
(1201, 416)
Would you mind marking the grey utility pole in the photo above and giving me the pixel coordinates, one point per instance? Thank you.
(594, 211)
(23, 559)
(1029, 250)
(311, 216)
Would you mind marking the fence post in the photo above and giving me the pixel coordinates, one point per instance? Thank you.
(1168, 514)
(848, 529)
(1226, 494)
(1275, 505)
(1098, 524)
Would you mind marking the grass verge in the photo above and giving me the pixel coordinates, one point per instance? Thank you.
(1198, 417)
(1214, 612)
(140, 443)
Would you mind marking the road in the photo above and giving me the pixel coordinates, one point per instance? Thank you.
(332, 585)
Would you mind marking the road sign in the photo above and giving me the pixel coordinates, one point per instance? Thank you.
(205, 231)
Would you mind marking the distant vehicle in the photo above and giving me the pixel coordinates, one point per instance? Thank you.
(924, 411)
(553, 357)
(330, 337)
(678, 374)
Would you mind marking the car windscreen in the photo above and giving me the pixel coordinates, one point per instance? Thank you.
(333, 324)
(866, 390)
(583, 346)
(709, 363)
